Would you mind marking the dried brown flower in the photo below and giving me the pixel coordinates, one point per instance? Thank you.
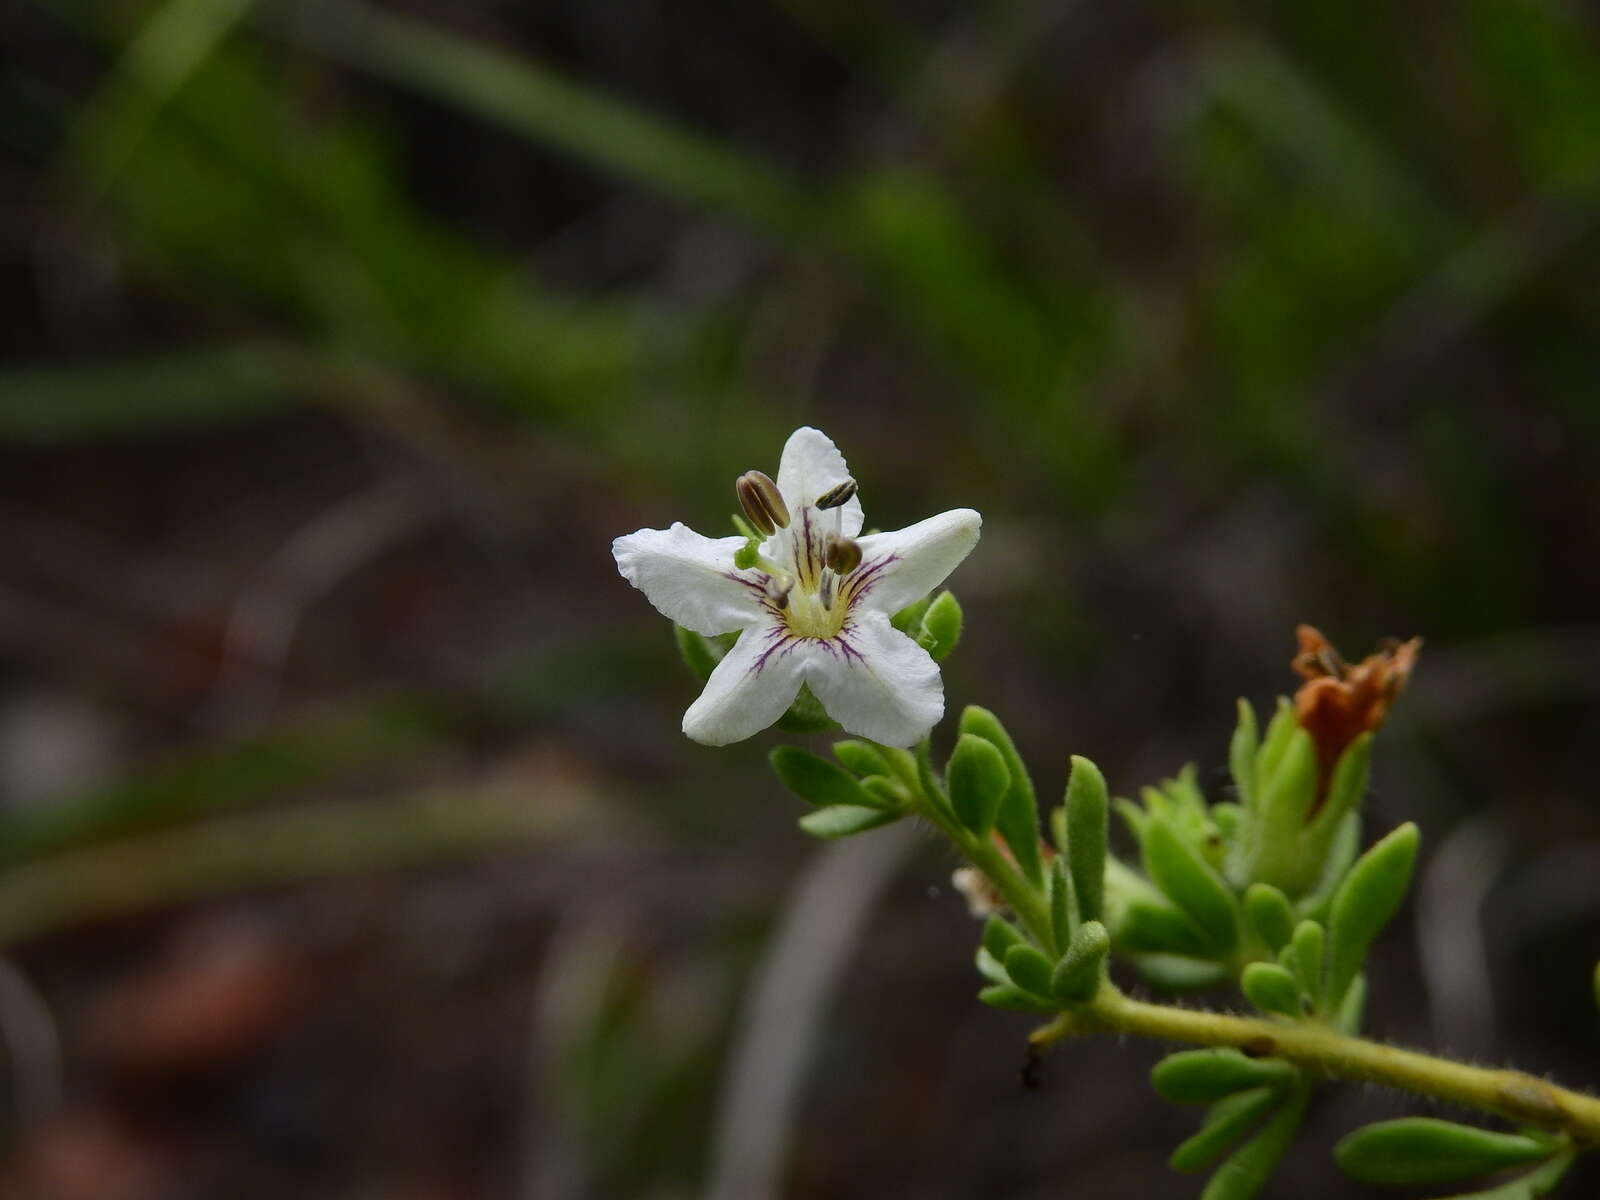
(1339, 702)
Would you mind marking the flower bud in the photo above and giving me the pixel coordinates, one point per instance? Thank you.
(842, 555)
(763, 505)
(835, 496)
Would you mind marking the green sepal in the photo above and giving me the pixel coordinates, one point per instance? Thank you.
(909, 619)
(1029, 969)
(1087, 805)
(1345, 789)
(1206, 1076)
(862, 757)
(1425, 1150)
(1309, 957)
(1246, 1170)
(1003, 995)
(1063, 904)
(1541, 1181)
(1150, 927)
(1271, 989)
(940, 628)
(932, 789)
(1077, 976)
(1018, 820)
(999, 935)
(1270, 917)
(841, 820)
(1242, 755)
(1285, 800)
(1339, 857)
(990, 967)
(818, 781)
(1228, 1120)
(1276, 740)
(977, 779)
(1189, 882)
(1368, 897)
(806, 715)
(700, 654)
(1178, 973)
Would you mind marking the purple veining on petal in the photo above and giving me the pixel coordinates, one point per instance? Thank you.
(866, 576)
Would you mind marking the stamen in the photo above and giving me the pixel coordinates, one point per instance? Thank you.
(842, 554)
(827, 589)
(835, 496)
(778, 591)
(761, 501)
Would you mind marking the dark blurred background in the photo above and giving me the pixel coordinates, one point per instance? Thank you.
(349, 846)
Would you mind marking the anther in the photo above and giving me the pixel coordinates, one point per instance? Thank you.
(835, 496)
(761, 501)
(842, 554)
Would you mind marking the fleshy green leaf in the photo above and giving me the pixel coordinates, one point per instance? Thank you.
(841, 820)
(698, 653)
(1029, 969)
(1063, 904)
(1425, 1150)
(1242, 754)
(1271, 919)
(977, 778)
(909, 619)
(862, 758)
(1018, 821)
(1271, 989)
(941, 626)
(1228, 1120)
(1179, 871)
(1279, 730)
(1003, 995)
(1206, 1076)
(1538, 1182)
(1308, 957)
(999, 935)
(818, 781)
(1076, 978)
(990, 967)
(1087, 819)
(1247, 1169)
(1148, 927)
(1365, 901)
(1176, 973)
(1286, 796)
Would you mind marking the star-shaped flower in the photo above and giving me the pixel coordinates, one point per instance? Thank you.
(812, 604)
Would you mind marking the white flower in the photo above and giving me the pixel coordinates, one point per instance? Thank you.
(815, 607)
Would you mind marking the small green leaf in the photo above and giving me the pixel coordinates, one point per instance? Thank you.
(1148, 927)
(932, 789)
(1541, 1181)
(1179, 871)
(1228, 1120)
(1352, 1008)
(1245, 1172)
(1271, 989)
(1362, 906)
(1003, 995)
(862, 757)
(941, 626)
(1308, 957)
(977, 778)
(1134, 817)
(841, 820)
(990, 967)
(887, 793)
(999, 935)
(1269, 914)
(909, 619)
(1206, 1076)
(1242, 754)
(1425, 1150)
(1063, 904)
(700, 655)
(1076, 977)
(1176, 973)
(818, 781)
(1279, 730)
(1028, 969)
(1018, 821)
(1087, 819)
(1286, 797)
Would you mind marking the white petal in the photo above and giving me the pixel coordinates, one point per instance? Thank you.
(877, 682)
(908, 563)
(690, 578)
(750, 689)
(811, 466)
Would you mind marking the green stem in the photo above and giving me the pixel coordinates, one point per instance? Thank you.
(1324, 1051)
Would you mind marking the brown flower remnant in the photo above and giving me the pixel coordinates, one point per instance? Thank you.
(1338, 702)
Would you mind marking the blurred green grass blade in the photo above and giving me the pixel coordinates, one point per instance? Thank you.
(168, 49)
(40, 405)
(548, 107)
(311, 752)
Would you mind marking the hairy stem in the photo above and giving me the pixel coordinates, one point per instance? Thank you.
(1324, 1051)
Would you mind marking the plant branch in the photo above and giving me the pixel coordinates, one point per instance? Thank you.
(1324, 1051)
